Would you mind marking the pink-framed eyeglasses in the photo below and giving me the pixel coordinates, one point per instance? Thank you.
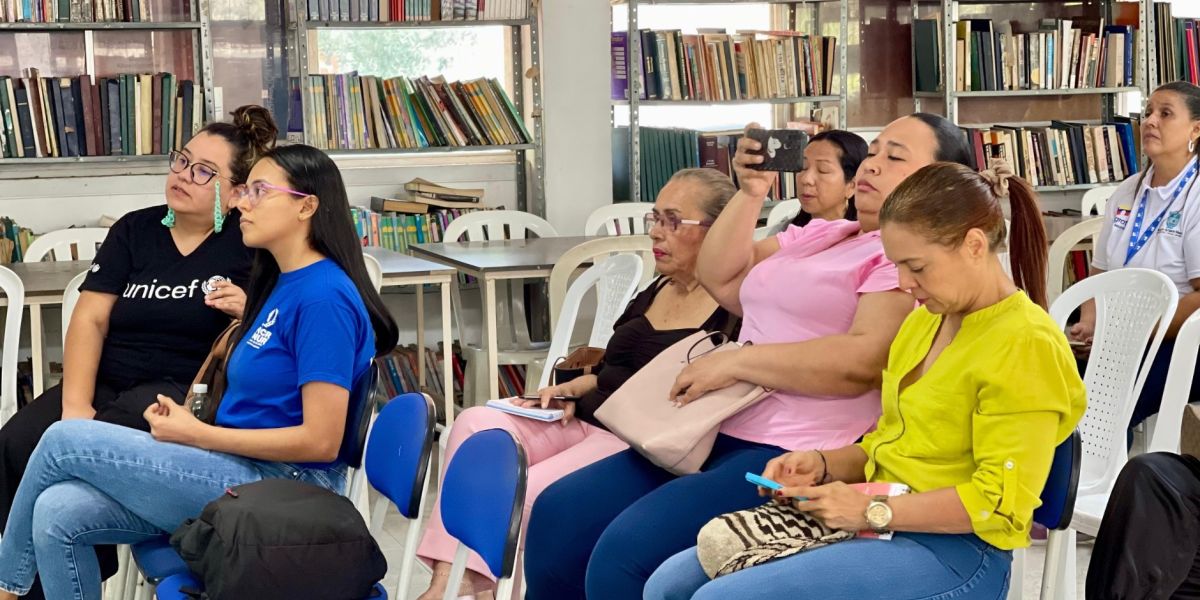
(254, 193)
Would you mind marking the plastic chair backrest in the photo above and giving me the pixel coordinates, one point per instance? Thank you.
(783, 212)
(358, 417)
(589, 252)
(497, 225)
(483, 496)
(399, 449)
(374, 271)
(1177, 391)
(58, 244)
(1058, 495)
(14, 292)
(621, 218)
(70, 299)
(1130, 306)
(1066, 241)
(616, 280)
(1096, 199)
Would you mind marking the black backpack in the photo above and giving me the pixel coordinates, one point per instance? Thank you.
(280, 538)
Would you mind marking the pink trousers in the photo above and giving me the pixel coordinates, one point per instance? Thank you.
(553, 450)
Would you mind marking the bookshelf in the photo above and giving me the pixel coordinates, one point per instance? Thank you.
(946, 100)
(530, 190)
(636, 67)
(197, 23)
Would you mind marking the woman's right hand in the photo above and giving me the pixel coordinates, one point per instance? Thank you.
(756, 184)
(794, 470)
(547, 399)
(1083, 331)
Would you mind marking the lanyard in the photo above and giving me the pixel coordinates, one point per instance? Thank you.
(1137, 236)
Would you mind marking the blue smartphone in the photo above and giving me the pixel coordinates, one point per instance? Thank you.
(763, 482)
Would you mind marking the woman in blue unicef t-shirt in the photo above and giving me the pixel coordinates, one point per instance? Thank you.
(313, 322)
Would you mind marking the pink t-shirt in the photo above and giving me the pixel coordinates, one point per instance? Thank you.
(809, 289)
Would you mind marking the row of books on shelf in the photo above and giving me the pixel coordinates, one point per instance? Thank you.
(1077, 267)
(416, 10)
(76, 11)
(352, 112)
(1063, 153)
(399, 372)
(1178, 45)
(713, 65)
(117, 115)
(992, 57)
(512, 380)
(14, 241)
(397, 231)
(664, 151)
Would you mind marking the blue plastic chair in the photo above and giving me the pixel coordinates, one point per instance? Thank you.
(172, 588)
(483, 496)
(157, 560)
(1058, 506)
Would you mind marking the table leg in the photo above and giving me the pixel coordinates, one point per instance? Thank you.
(447, 356)
(35, 342)
(490, 333)
(421, 337)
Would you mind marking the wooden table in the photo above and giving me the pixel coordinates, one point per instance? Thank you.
(402, 269)
(45, 283)
(493, 261)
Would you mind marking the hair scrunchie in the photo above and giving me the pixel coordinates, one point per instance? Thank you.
(997, 175)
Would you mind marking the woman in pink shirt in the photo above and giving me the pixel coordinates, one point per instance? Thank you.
(821, 304)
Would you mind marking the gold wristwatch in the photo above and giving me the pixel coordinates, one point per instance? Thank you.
(879, 514)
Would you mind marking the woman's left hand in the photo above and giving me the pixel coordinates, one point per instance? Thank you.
(836, 504)
(170, 422)
(705, 374)
(227, 298)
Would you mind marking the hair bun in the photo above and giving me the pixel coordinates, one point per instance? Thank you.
(258, 126)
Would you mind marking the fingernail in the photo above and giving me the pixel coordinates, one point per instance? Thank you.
(778, 493)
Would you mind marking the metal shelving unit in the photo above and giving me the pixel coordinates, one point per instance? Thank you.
(635, 76)
(530, 195)
(202, 62)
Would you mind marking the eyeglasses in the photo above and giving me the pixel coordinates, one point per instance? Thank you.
(254, 193)
(201, 174)
(671, 222)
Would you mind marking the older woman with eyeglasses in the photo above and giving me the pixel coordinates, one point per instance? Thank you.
(164, 284)
(671, 308)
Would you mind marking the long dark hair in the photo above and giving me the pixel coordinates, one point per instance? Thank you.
(943, 201)
(852, 150)
(952, 144)
(311, 171)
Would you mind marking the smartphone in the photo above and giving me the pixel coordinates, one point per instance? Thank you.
(782, 149)
(537, 397)
(1077, 343)
(763, 482)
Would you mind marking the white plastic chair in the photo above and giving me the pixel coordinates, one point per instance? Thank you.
(1096, 198)
(1165, 436)
(1133, 307)
(621, 218)
(14, 292)
(1061, 249)
(778, 219)
(70, 299)
(374, 271)
(57, 244)
(513, 333)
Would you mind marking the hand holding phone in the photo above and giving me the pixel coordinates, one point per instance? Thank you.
(763, 482)
(782, 149)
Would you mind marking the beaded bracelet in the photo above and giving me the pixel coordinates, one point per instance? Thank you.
(824, 467)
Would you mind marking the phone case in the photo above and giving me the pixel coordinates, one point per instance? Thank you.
(783, 149)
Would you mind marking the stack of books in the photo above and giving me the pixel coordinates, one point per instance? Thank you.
(1059, 55)
(1178, 46)
(416, 10)
(352, 112)
(120, 115)
(77, 11)
(1062, 153)
(713, 65)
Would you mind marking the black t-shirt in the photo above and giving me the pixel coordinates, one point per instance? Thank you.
(160, 327)
(635, 342)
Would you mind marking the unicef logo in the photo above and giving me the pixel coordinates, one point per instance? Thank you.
(95, 268)
(210, 286)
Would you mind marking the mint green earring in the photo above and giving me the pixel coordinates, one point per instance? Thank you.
(218, 216)
(169, 220)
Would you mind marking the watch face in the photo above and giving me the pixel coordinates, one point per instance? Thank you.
(879, 514)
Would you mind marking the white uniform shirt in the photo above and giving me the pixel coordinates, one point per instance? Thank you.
(1173, 249)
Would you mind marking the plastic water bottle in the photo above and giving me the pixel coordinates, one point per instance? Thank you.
(199, 400)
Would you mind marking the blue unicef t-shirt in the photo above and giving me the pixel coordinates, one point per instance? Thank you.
(313, 327)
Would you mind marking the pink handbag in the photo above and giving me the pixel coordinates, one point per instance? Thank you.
(678, 439)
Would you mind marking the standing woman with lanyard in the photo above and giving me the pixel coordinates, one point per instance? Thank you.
(1152, 221)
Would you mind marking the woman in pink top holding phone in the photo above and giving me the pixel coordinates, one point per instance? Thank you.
(821, 305)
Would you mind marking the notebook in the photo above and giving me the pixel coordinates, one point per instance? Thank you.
(879, 488)
(537, 414)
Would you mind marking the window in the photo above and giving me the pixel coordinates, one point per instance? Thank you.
(456, 53)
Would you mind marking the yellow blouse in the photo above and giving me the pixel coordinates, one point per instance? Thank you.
(984, 419)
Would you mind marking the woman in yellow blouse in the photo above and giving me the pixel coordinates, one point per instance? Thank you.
(979, 389)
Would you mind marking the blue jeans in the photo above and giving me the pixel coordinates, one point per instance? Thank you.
(928, 566)
(94, 483)
(607, 526)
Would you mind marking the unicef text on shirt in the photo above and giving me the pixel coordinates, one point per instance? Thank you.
(153, 291)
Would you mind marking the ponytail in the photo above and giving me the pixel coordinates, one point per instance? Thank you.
(1027, 242)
